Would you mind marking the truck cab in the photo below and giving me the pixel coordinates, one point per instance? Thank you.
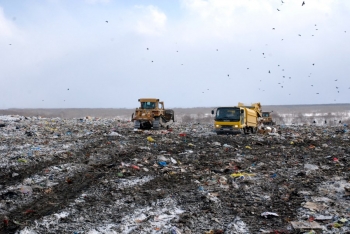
(236, 119)
(228, 120)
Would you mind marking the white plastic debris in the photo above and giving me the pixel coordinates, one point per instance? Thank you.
(310, 167)
(266, 214)
(237, 226)
(26, 190)
(114, 134)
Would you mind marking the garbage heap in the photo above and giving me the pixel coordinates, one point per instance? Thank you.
(95, 175)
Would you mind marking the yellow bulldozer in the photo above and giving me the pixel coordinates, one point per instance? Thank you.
(267, 118)
(152, 115)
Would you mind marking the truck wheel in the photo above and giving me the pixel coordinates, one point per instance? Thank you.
(245, 130)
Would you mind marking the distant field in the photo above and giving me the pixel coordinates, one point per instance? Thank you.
(282, 113)
(112, 112)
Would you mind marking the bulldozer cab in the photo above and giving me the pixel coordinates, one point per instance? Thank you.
(148, 105)
(266, 114)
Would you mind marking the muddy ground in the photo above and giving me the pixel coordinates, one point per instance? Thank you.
(101, 176)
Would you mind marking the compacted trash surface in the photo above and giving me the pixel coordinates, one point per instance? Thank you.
(95, 175)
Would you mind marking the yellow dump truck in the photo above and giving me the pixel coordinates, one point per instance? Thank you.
(237, 119)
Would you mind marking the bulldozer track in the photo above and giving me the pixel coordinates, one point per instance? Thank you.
(26, 170)
(63, 193)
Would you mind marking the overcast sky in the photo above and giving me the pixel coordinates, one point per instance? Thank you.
(188, 53)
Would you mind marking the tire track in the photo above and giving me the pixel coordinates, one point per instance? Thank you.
(63, 193)
(30, 169)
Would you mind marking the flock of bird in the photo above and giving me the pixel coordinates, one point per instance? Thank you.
(283, 2)
(264, 56)
(303, 3)
(269, 71)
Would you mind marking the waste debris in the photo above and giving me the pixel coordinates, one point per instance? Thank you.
(96, 175)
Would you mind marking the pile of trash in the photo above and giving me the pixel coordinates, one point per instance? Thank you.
(95, 175)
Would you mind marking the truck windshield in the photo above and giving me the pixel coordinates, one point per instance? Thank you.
(148, 105)
(265, 114)
(228, 114)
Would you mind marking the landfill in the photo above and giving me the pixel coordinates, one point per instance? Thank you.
(98, 175)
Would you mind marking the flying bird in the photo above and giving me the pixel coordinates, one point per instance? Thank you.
(106, 21)
(282, 1)
(335, 80)
(313, 64)
(67, 89)
(278, 9)
(273, 28)
(269, 71)
(317, 93)
(299, 35)
(303, 3)
(147, 48)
